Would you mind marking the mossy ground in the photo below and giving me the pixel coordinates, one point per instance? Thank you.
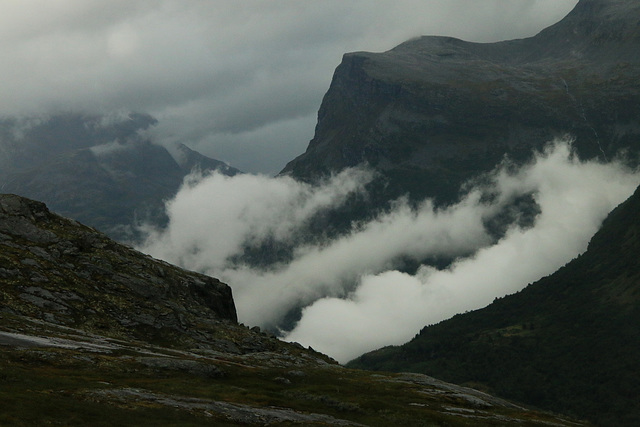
(57, 386)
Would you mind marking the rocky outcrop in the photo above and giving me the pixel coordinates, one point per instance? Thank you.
(436, 111)
(59, 271)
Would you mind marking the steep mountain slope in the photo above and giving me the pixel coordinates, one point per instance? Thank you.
(95, 333)
(56, 270)
(99, 171)
(568, 343)
(435, 111)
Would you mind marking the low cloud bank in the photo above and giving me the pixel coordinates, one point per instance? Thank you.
(213, 217)
(355, 299)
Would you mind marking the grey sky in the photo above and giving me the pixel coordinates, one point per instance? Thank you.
(238, 80)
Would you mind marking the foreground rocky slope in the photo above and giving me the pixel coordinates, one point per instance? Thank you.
(569, 342)
(94, 333)
(62, 272)
(437, 111)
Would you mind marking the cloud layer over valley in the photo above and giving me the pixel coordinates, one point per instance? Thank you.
(240, 81)
(355, 298)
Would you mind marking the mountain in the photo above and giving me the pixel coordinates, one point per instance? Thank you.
(28, 142)
(96, 169)
(95, 333)
(436, 111)
(569, 342)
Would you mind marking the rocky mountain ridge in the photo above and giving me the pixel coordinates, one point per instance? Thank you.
(100, 170)
(95, 333)
(437, 111)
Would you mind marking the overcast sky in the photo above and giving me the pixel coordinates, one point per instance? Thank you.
(238, 80)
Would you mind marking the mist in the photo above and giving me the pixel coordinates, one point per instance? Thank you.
(355, 297)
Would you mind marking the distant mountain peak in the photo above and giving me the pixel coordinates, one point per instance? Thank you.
(189, 160)
(103, 170)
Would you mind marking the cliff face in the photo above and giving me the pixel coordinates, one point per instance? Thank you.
(57, 270)
(436, 111)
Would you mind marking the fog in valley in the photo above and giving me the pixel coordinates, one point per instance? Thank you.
(242, 82)
(355, 300)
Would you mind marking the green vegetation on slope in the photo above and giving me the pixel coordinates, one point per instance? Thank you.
(568, 343)
(126, 386)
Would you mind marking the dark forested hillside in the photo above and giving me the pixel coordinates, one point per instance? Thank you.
(569, 342)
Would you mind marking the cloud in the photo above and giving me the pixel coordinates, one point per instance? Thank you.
(217, 73)
(390, 307)
(355, 299)
(213, 217)
(332, 269)
(109, 148)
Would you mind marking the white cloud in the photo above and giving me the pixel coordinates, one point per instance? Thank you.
(109, 148)
(210, 220)
(264, 297)
(355, 300)
(389, 308)
(212, 217)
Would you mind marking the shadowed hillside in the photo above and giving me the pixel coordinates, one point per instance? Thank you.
(569, 342)
(101, 170)
(95, 333)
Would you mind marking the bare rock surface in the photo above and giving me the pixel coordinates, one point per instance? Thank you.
(75, 276)
(434, 112)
